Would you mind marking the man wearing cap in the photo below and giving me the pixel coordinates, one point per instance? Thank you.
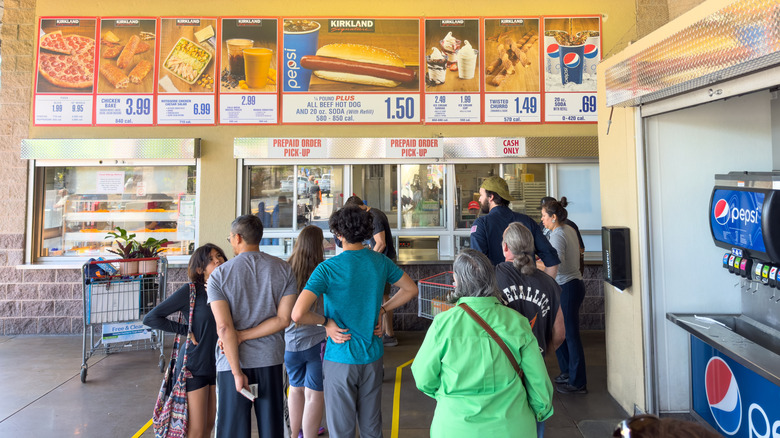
(487, 233)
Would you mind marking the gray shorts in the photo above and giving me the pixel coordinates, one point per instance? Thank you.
(353, 399)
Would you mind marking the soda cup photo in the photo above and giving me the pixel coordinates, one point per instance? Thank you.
(552, 64)
(300, 39)
(592, 55)
(572, 61)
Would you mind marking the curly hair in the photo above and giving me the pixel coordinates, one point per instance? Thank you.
(352, 223)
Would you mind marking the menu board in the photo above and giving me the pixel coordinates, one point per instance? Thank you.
(65, 71)
(513, 70)
(248, 71)
(126, 68)
(144, 71)
(186, 71)
(326, 79)
(452, 71)
(572, 50)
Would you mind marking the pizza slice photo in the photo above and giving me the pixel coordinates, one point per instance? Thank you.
(66, 61)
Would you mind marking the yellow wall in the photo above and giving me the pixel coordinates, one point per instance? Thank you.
(620, 207)
(218, 199)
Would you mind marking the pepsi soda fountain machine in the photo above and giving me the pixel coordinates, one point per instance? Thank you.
(735, 359)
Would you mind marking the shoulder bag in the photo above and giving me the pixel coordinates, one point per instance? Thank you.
(170, 411)
(495, 337)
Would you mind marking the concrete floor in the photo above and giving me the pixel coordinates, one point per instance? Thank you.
(43, 394)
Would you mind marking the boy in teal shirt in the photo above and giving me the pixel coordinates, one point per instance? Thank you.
(352, 285)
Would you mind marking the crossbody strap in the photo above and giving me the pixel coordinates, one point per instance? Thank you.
(193, 292)
(495, 337)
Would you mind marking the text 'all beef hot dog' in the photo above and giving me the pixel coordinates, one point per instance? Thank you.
(359, 64)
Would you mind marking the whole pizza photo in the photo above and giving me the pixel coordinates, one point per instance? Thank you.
(66, 56)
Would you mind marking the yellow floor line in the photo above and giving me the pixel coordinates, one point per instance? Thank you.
(397, 399)
(143, 429)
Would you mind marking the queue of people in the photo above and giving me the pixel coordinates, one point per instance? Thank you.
(325, 321)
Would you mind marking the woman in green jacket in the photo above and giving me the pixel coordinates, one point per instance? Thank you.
(477, 391)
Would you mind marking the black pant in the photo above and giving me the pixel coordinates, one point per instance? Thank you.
(234, 410)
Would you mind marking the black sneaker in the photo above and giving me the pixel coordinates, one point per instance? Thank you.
(562, 378)
(568, 389)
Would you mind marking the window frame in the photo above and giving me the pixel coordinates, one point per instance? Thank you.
(448, 233)
(35, 200)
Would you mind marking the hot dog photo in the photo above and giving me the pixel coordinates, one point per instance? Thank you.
(126, 51)
(351, 54)
(452, 49)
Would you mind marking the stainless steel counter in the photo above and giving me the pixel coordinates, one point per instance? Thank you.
(749, 342)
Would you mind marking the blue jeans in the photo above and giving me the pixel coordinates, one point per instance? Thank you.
(540, 429)
(571, 356)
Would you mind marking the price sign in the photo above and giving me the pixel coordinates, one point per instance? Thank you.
(513, 108)
(570, 107)
(124, 110)
(351, 108)
(65, 71)
(63, 110)
(247, 109)
(452, 108)
(125, 88)
(180, 109)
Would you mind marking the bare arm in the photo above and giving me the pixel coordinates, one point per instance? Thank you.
(302, 314)
(227, 333)
(379, 241)
(271, 325)
(558, 331)
(408, 291)
(552, 271)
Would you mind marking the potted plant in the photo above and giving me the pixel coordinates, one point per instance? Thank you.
(127, 248)
(149, 249)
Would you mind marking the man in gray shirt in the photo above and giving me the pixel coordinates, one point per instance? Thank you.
(251, 297)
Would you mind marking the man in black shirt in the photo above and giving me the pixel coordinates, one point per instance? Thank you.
(381, 241)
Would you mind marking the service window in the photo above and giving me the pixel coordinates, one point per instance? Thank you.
(377, 186)
(468, 178)
(290, 197)
(422, 195)
(79, 205)
(528, 185)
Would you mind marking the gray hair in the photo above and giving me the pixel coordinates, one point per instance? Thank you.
(520, 241)
(475, 274)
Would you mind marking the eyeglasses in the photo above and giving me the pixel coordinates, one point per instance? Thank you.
(230, 237)
(634, 426)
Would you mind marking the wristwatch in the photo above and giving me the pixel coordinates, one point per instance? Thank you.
(324, 323)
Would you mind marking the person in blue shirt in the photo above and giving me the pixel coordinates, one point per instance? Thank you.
(487, 233)
(352, 285)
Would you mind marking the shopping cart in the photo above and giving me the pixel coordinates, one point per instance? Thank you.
(115, 304)
(434, 294)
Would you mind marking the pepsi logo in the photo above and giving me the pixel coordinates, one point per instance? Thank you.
(721, 212)
(552, 50)
(571, 60)
(591, 51)
(291, 64)
(723, 395)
